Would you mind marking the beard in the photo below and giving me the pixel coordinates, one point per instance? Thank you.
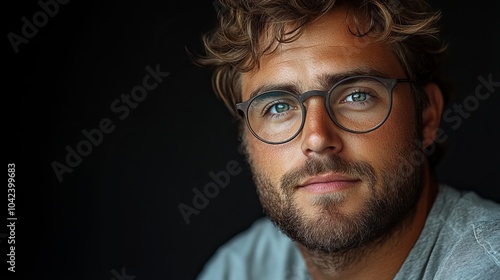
(391, 202)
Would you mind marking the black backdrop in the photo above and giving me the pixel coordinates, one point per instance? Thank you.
(116, 214)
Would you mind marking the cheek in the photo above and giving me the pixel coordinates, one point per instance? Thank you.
(403, 120)
(397, 134)
(271, 161)
(387, 144)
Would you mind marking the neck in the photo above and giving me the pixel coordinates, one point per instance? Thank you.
(382, 258)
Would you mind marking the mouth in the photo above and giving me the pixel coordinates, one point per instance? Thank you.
(327, 183)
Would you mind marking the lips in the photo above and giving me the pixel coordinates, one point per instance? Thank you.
(330, 182)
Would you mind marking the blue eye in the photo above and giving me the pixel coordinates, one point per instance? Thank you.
(279, 108)
(357, 97)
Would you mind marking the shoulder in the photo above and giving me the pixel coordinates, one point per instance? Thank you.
(467, 214)
(461, 211)
(473, 252)
(469, 204)
(474, 221)
(260, 252)
(461, 238)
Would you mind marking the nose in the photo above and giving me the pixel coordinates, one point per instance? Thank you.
(320, 135)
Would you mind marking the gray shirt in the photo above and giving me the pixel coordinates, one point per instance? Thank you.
(460, 240)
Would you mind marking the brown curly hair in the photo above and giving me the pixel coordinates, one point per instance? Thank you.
(410, 28)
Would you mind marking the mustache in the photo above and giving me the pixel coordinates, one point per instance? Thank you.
(333, 163)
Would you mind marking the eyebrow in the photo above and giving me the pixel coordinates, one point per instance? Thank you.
(326, 81)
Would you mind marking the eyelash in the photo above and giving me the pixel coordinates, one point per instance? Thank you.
(268, 107)
(362, 91)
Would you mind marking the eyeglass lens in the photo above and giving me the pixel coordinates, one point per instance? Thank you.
(357, 104)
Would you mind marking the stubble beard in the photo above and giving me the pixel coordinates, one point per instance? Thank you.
(343, 236)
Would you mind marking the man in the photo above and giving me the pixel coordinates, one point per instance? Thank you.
(340, 103)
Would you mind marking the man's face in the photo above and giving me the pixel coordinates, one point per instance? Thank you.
(329, 189)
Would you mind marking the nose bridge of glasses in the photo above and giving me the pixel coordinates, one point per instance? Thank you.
(306, 95)
(322, 103)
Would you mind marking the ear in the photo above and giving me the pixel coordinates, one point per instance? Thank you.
(431, 114)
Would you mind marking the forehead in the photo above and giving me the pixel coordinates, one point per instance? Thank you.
(325, 48)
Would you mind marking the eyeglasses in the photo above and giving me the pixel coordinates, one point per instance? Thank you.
(357, 104)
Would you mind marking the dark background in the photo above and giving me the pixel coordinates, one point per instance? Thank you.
(116, 214)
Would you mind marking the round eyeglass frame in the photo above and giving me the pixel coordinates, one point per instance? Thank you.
(389, 83)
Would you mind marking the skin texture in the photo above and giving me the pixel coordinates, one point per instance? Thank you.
(361, 218)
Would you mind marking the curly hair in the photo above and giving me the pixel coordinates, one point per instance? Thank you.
(410, 28)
